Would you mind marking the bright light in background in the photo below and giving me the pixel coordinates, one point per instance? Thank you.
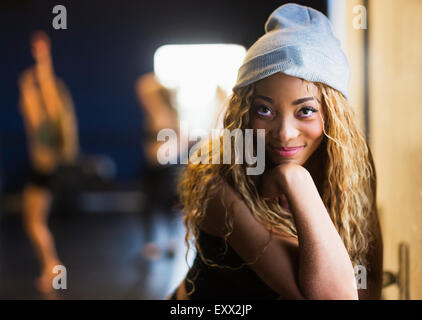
(196, 71)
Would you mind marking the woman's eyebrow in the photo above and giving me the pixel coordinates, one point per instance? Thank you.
(302, 100)
(268, 99)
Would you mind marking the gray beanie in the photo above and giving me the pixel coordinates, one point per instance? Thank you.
(299, 42)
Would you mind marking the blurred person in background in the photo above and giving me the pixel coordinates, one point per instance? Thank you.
(52, 137)
(159, 181)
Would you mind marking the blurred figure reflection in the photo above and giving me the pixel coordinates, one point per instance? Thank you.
(160, 181)
(51, 128)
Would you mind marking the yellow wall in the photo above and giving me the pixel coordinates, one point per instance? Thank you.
(395, 29)
(395, 106)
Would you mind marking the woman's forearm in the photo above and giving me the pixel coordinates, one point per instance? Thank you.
(325, 269)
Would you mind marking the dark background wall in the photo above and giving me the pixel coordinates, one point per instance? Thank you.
(107, 45)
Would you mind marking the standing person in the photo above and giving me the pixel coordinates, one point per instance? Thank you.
(51, 128)
(298, 230)
(160, 181)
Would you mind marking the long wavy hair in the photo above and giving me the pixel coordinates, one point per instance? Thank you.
(348, 189)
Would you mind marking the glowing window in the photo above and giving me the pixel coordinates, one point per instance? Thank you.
(202, 75)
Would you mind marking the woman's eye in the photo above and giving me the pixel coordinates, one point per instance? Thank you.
(263, 111)
(308, 111)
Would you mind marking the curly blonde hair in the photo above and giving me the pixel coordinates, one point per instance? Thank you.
(348, 189)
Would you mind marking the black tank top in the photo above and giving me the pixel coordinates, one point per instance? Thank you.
(224, 283)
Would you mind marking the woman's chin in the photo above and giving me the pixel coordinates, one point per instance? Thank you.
(278, 160)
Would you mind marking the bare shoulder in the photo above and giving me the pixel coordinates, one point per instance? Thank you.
(225, 203)
(228, 202)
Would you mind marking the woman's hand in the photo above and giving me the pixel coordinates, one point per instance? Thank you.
(275, 182)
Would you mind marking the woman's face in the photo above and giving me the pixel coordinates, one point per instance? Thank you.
(284, 107)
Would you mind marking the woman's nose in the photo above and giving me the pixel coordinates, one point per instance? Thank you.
(285, 131)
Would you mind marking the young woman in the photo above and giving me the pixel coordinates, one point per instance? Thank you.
(305, 226)
(50, 123)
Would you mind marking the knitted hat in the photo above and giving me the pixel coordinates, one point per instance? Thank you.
(299, 42)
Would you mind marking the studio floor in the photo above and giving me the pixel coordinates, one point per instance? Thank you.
(104, 255)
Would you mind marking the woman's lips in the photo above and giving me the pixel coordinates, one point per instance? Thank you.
(286, 152)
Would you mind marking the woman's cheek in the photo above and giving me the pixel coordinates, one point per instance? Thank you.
(313, 130)
(255, 123)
